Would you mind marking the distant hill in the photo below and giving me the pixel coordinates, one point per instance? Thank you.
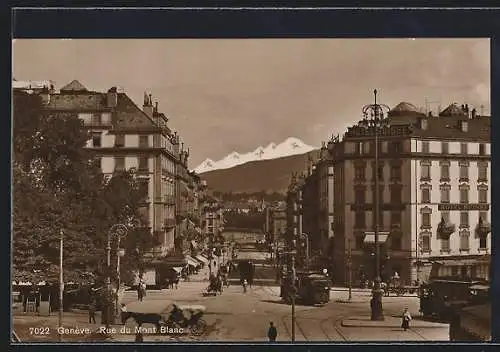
(255, 176)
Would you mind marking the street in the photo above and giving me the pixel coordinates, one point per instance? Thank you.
(238, 316)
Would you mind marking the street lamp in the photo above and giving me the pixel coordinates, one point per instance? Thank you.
(375, 112)
(119, 231)
(307, 246)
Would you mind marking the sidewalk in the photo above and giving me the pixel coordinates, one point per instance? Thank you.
(389, 322)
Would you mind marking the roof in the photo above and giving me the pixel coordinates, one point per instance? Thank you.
(74, 86)
(453, 110)
(448, 127)
(405, 109)
(128, 114)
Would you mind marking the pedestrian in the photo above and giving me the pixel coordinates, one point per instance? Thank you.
(406, 318)
(245, 286)
(92, 308)
(138, 337)
(272, 333)
(139, 292)
(123, 310)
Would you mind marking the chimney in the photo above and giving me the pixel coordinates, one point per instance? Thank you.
(424, 123)
(112, 98)
(156, 107)
(473, 113)
(148, 105)
(464, 126)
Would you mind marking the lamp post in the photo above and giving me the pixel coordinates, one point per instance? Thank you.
(120, 231)
(375, 122)
(61, 280)
(307, 247)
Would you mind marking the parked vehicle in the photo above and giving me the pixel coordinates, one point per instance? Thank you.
(311, 288)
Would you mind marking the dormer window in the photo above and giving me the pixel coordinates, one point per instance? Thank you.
(423, 124)
(464, 126)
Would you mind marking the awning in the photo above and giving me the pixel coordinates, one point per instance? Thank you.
(460, 261)
(192, 261)
(177, 269)
(202, 258)
(370, 237)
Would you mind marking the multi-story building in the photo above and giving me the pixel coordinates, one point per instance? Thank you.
(434, 191)
(125, 137)
(213, 217)
(275, 222)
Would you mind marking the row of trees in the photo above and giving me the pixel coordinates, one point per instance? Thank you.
(251, 220)
(58, 185)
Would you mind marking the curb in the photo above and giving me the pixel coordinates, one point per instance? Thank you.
(352, 323)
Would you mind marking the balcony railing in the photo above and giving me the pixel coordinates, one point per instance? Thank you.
(445, 228)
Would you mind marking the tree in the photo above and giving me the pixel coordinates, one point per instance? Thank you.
(57, 185)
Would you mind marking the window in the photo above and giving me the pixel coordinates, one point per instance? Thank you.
(396, 218)
(483, 242)
(463, 148)
(359, 148)
(445, 195)
(380, 219)
(464, 195)
(396, 243)
(396, 173)
(426, 220)
(482, 195)
(359, 220)
(143, 141)
(482, 172)
(119, 140)
(380, 194)
(482, 149)
(96, 139)
(119, 163)
(445, 172)
(396, 195)
(425, 147)
(359, 195)
(143, 163)
(397, 147)
(359, 242)
(426, 243)
(380, 172)
(444, 147)
(464, 172)
(483, 215)
(445, 215)
(464, 241)
(144, 189)
(425, 172)
(445, 244)
(96, 119)
(426, 195)
(359, 173)
(464, 219)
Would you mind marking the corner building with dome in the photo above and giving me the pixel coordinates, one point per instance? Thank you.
(434, 196)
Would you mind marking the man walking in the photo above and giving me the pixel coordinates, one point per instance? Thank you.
(272, 333)
(92, 308)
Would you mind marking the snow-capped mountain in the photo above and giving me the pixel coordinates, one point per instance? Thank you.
(290, 146)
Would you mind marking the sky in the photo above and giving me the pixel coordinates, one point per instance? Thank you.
(225, 95)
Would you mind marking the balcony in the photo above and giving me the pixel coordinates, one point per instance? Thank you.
(445, 228)
(483, 228)
(169, 223)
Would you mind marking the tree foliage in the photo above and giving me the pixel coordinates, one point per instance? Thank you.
(58, 185)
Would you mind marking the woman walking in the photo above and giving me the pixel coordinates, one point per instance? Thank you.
(406, 318)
